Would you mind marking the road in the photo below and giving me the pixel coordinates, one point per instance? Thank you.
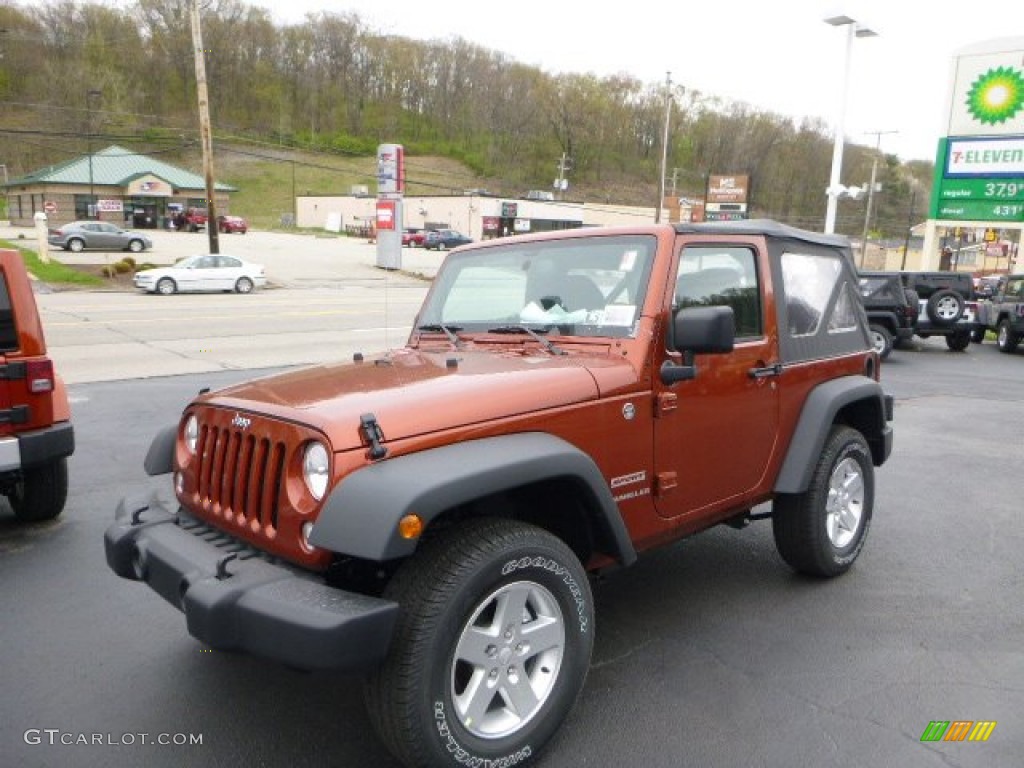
(327, 300)
(113, 336)
(708, 653)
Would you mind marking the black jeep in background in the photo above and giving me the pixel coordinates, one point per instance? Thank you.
(946, 306)
(891, 309)
(938, 304)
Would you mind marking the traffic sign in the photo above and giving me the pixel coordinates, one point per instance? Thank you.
(50, 207)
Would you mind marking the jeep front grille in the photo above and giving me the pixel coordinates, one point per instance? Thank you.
(240, 477)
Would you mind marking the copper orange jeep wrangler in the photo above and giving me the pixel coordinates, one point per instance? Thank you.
(565, 401)
(36, 435)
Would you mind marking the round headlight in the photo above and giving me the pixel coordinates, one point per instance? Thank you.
(192, 433)
(314, 469)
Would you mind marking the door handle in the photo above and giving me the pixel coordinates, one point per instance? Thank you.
(765, 371)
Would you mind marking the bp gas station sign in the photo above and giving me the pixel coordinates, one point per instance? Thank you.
(979, 165)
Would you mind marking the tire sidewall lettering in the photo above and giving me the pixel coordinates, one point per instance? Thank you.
(461, 748)
(560, 572)
(462, 756)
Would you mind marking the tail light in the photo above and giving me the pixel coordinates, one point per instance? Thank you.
(39, 375)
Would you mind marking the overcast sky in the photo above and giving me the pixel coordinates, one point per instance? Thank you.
(776, 55)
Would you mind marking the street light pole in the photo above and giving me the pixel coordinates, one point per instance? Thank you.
(664, 147)
(853, 29)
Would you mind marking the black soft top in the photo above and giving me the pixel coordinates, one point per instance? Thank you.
(768, 227)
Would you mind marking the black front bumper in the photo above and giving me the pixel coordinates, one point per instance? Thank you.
(235, 598)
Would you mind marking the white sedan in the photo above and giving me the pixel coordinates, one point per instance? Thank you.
(204, 272)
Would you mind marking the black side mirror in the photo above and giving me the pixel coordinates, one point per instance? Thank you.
(704, 330)
(699, 331)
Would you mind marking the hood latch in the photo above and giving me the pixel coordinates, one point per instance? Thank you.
(373, 434)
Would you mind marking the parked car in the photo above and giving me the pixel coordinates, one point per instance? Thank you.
(443, 239)
(413, 238)
(946, 306)
(1003, 314)
(890, 310)
(36, 435)
(228, 224)
(203, 272)
(78, 236)
(987, 286)
(195, 219)
(430, 517)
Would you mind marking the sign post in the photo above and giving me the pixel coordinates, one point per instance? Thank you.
(41, 234)
(390, 207)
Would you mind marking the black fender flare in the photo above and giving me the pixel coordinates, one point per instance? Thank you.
(819, 414)
(360, 516)
(887, 320)
(160, 456)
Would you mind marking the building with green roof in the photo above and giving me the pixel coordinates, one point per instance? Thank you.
(114, 184)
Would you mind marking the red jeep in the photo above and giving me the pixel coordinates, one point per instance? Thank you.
(566, 401)
(36, 436)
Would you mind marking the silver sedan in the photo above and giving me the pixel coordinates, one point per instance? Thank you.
(99, 235)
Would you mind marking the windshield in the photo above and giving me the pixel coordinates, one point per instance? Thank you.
(582, 287)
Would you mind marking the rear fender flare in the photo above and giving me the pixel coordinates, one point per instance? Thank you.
(361, 515)
(819, 414)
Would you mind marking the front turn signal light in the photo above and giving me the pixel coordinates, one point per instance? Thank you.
(410, 527)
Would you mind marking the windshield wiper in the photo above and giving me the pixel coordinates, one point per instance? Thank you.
(449, 331)
(532, 333)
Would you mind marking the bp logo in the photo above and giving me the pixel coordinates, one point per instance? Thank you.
(996, 96)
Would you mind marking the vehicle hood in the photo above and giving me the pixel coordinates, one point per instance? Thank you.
(412, 392)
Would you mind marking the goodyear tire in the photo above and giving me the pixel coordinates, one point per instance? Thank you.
(821, 531)
(491, 650)
(41, 492)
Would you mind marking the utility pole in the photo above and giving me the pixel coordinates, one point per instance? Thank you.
(871, 191)
(560, 183)
(205, 132)
(91, 208)
(664, 147)
(910, 224)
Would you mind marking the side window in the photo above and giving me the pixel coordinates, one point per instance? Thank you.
(809, 284)
(228, 261)
(8, 328)
(711, 276)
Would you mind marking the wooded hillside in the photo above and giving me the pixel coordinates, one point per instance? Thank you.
(333, 87)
